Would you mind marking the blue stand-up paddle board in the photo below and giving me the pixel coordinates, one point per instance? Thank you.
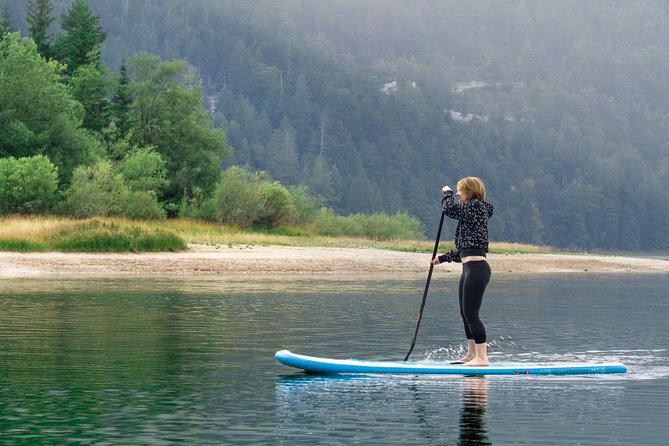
(313, 364)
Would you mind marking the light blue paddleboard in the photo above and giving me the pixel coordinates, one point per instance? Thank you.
(324, 365)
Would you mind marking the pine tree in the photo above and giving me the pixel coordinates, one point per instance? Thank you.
(39, 19)
(91, 89)
(6, 24)
(121, 103)
(84, 36)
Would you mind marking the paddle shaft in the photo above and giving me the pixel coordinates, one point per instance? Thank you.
(427, 286)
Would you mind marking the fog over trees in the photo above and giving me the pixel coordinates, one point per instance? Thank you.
(562, 108)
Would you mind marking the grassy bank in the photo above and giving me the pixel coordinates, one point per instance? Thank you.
(198, 232)
(34, 234)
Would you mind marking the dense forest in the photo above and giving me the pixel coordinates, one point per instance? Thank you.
(562, 108)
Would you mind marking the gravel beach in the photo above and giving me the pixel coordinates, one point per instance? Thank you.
(202, 260)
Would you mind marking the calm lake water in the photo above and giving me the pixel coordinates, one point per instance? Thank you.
(177, 361)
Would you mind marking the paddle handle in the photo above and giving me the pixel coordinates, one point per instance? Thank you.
(427, 286)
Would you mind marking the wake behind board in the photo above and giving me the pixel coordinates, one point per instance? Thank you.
(313, 364)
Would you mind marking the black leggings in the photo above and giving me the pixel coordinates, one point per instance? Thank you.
(474, 279)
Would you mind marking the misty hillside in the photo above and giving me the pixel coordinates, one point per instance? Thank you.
(562, 108)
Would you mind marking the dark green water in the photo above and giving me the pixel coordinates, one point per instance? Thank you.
(145, 361)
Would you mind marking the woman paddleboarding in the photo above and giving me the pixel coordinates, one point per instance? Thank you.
(471, 245)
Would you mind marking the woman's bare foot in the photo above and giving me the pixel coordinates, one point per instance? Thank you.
(481, 356)
(480, 362)
(471, 353)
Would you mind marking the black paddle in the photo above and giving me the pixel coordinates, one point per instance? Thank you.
(427, 286)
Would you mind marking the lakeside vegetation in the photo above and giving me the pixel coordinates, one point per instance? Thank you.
(165, 109)
(153, 154)
(110, 234)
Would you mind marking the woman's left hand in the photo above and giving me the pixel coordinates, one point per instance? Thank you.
(435, 261)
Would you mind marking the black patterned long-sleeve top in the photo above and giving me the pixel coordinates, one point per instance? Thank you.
(471, 233)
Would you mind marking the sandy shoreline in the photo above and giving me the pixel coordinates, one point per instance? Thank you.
(263, 260)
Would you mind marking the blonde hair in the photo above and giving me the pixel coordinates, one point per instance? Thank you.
(473, 187)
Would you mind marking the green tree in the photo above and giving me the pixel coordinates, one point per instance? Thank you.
(27, 185)
(529, 218)
(144, 170)
(6, 23)
(37, 113)
(281, 160)
(304, 204)
(39, 19)
(80, 45)
(121, 103)
(168, 115)
(322, 179)
(300, 109)
(90, 89)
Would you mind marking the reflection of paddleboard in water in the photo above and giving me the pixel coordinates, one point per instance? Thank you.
(313, 364)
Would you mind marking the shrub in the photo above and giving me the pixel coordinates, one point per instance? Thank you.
(143, 205)
(95, 192)
(27, 185)
(195, 205)
(99, 191)
(277, 206)
(376, 226)
(237, 199)
(387, 227)
(144, 170)
(329, 223)
(304, 205)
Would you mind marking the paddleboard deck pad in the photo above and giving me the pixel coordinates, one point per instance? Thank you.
(313, 364)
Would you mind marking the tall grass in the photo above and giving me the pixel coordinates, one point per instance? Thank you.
(22, 245)
(33, 234)
(116, 236)
(25, 234)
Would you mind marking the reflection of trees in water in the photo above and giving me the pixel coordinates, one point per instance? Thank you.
(472, 416)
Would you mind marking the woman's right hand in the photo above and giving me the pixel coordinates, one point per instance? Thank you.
(446, 190)
(435, 261)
